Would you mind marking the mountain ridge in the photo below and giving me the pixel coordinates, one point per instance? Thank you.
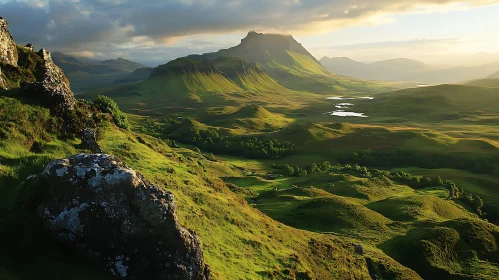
(404, 69)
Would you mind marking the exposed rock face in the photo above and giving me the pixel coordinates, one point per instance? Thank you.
(97, 204)
(53, 86)
(8, 48)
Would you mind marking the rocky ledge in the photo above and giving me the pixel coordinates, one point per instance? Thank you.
(53, 86)
(97, 204)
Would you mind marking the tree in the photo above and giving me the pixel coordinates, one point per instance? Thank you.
(288, 170)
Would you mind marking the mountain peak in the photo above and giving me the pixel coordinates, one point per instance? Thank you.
(257, 41)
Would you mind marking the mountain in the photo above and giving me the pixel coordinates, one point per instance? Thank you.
(290, 64)
(402, 69)
(87, 74)
(494, 76)
(401, 63)
(123, 64)
(72, 66)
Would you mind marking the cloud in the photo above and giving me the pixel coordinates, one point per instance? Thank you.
(107, 26)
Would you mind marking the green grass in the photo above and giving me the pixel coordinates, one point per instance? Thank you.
(457, 249)
(239, 242)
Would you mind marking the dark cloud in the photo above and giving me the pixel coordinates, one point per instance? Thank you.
(110, 26)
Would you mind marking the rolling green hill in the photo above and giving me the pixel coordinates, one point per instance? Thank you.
(251, 118)
(456, 249)
(421, 228)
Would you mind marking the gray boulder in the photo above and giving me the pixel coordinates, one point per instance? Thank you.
(97, 204)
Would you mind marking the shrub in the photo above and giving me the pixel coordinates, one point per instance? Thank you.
(108, 105)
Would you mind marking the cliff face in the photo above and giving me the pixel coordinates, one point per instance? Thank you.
(8, 49)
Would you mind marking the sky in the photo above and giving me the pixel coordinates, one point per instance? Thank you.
(442, 32)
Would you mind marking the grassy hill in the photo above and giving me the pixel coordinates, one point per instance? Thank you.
(421, 228)
(239, 242)
(251, 118)
(456, 249)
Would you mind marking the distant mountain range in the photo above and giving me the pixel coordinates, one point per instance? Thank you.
(86, 74)
(73, 65)
(402, 69)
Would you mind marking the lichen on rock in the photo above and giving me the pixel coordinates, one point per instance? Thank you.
(97, 204)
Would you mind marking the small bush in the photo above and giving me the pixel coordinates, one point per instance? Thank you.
(108, 105)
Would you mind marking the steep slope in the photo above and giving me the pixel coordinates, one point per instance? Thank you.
(290, 64)
(186, 75)
(402, 69)
(219, 75)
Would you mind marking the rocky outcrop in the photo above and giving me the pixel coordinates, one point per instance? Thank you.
(97, 204)
(8, 48)
(30, 47)
(52, 86)
(89, 138)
